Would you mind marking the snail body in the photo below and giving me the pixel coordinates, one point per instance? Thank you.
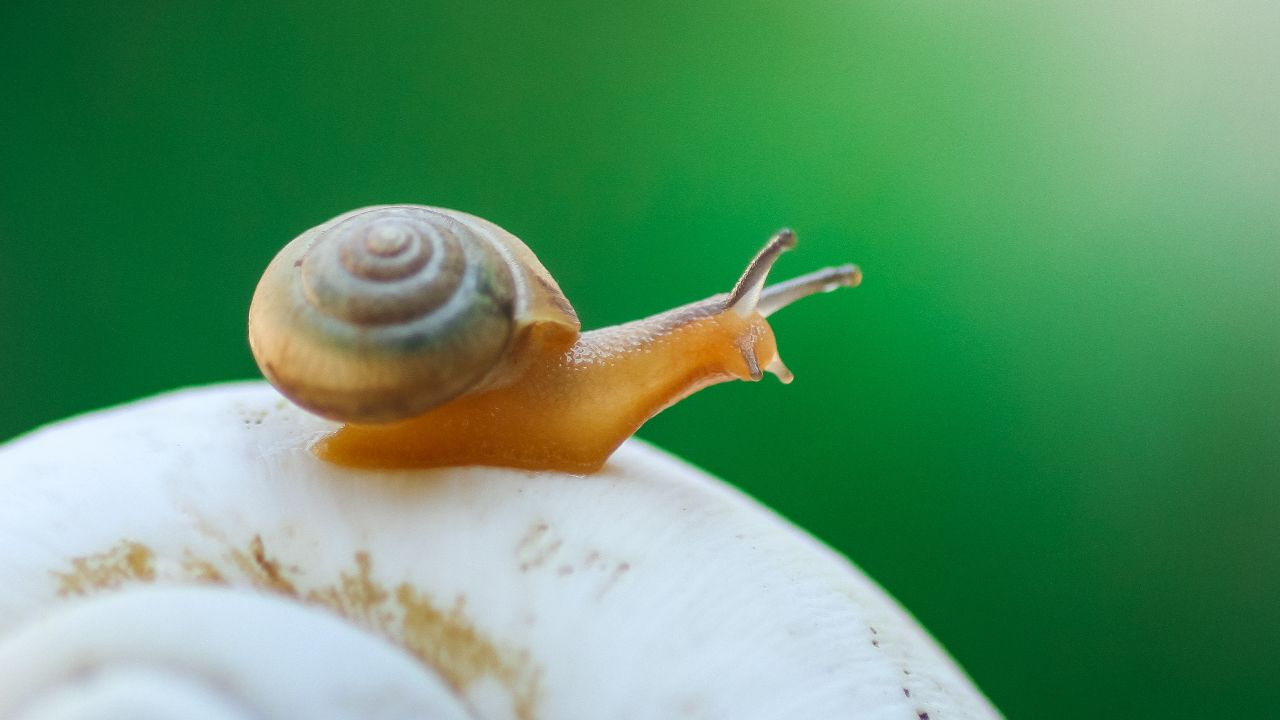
(441, 340)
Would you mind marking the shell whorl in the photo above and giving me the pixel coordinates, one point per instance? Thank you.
(389, 267)
(383, 313)
(408, 274)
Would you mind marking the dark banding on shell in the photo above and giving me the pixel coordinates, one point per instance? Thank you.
(383, 313)
(385, 267)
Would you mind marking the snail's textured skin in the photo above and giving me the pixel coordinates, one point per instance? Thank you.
(647, 590)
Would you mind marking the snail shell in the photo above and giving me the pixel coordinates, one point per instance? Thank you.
(385, 312)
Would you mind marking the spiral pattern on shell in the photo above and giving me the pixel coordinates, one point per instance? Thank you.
(383, 313)
(407, 271)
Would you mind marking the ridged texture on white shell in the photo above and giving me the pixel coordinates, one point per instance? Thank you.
(210, 653)
(648, 590)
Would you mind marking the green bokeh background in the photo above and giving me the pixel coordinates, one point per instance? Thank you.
(1049, 421)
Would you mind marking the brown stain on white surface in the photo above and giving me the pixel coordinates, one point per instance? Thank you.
(449, 642)
(201, 570)
(540, 547)
(125, 562)
(445, 640)
(262, 570)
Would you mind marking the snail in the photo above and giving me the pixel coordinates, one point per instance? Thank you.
(440, 339)
(191, 555)
(188, 556)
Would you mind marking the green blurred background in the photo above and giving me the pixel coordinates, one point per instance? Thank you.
(1049, 421)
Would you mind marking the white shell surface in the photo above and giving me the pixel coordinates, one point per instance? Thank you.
(648, 590)
(180, 652)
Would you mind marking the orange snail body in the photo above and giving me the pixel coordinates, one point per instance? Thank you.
(441, 340)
